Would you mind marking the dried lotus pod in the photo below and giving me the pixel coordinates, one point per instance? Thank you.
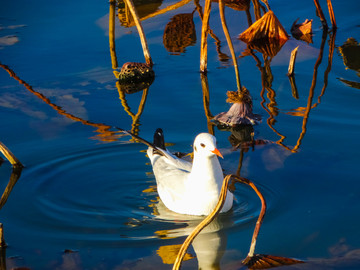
(135, 72)
(179, 33)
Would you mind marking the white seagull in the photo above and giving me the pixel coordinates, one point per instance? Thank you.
(186, 188)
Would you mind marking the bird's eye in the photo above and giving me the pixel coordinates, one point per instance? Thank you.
(202, 145)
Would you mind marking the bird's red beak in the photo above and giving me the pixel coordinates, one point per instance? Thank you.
(217, 152)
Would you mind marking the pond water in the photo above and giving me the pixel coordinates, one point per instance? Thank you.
(86, 198)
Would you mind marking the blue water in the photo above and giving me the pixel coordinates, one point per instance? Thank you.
(92, 192)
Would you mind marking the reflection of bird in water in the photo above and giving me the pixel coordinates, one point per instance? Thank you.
(189, 188)
(209, 245)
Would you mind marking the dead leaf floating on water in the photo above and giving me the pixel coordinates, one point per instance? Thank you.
(261, 261)
(179, 33)
(266, 35)
(302, 31)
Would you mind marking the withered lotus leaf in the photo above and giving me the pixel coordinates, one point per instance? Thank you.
(302, 31)
(267, 27)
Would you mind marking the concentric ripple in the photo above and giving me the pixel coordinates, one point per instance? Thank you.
(108, 195)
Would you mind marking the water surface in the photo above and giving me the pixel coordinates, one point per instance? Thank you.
(87, 199)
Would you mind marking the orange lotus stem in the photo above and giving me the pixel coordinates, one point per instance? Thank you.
(141, 32)
(231, 47)
(114, 62)
(204, 33)
(10, 156)
(215, 212)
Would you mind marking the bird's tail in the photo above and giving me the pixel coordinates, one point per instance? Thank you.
(159, 140)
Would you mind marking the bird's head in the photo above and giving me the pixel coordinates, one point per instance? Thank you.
(205, 145)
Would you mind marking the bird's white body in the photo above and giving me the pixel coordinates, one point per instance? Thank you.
(187, 188)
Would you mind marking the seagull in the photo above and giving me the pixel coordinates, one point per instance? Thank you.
(185, 188)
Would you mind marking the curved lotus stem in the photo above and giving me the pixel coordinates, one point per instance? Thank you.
(215, 212)
(14, 177)
(10, 156)
(231, 47)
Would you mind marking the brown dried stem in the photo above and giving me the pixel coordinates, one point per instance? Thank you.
(292, 61)
(217, 209)
(141, 32)
(231, 47)
(114, 62)
(204, 33)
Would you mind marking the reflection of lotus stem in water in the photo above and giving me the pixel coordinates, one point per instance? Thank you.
(2, 240)
(105, 134)
(321, 14)
(135, 117)
(15, 175)
(311, 92)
